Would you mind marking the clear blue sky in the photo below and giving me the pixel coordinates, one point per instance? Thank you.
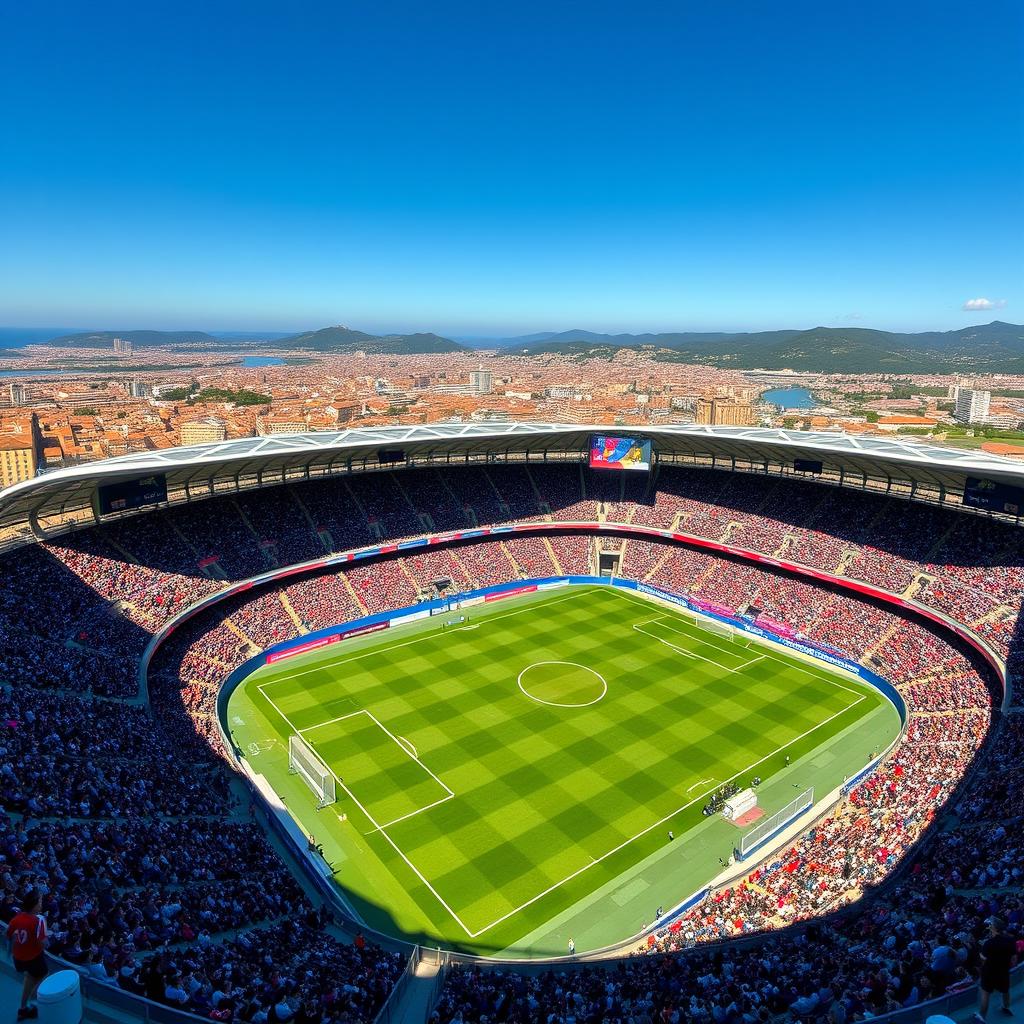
(484, 168)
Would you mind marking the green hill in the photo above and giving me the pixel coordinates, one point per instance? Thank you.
(994, 347)
(344, 339)
(140, 339)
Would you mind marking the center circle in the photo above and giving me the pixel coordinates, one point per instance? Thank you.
(562, 684)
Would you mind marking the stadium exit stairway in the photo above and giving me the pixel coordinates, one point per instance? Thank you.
(419, 996)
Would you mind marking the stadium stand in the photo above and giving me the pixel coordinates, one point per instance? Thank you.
(119, 804)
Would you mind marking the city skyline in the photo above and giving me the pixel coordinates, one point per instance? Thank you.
(478, 174)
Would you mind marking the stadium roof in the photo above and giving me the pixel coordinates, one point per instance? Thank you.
(63, 498)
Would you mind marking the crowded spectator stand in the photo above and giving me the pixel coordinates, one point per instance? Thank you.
(119, 804)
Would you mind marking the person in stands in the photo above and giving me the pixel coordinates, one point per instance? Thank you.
(26, 934)
(998, 954)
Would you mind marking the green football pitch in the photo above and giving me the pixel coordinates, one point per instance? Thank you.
(510, 780)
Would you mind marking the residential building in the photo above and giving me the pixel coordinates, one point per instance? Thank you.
(20, 452)
(725, 412)
(891, 424)
(972, 406)
(480, 381)
(204, 431)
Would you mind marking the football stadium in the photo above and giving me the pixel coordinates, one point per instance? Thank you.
(498, 721)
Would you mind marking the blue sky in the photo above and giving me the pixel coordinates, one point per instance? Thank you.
(478, 168)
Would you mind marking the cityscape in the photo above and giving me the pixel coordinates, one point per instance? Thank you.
(512, 514)
(131, 399)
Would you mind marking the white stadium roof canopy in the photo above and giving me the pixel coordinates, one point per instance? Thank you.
(66, 498)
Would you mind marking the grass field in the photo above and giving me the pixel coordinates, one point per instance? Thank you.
(495, 774)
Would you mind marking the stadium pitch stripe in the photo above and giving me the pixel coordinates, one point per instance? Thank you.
(471, 687)
(661, 821)
(440, 899)
(692, 654)
(383, 649)
(593, 861)
(790, 662)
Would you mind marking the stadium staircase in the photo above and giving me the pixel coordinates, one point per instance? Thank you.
(734, 527)
(212, 571)
(242, 635)
(848, 558)
(788, 540)
(920, 581)
(264, 550)
(559, 571)
(542, 505)
(515, 565)
(458, 500)
(415, 583)
(461, 566)
(376, 533)
(292, 613)
(326, 540)
(880, 644)
(425, 520)
(353, 593)
(669, 552)
(503, 505)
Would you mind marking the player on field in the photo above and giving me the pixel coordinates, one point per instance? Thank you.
(26, 935)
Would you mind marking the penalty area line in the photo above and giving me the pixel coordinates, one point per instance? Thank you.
(382, 829)
(656, 824)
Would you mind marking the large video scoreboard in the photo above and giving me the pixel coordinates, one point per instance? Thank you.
(608, 451)
(993, 496)
(119, 497)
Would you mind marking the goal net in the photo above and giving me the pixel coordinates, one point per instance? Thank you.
(713, 626)
(768, 827)
(302, 761)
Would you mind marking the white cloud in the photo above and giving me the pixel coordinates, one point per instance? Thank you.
(973, 305)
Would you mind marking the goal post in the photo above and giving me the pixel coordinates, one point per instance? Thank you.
(711, 625)
(304, 762)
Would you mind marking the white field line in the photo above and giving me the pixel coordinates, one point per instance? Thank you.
(670, 621)
(703, 782)
(769, 652)
(387, 732)
(381, 649)
(403, 745)
(699, 657)
(411, 814)
(661, 821)
(373, 821)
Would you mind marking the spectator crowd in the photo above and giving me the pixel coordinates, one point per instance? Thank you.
(117, 803)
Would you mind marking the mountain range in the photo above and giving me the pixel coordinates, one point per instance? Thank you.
(328, 339)
(995, 347)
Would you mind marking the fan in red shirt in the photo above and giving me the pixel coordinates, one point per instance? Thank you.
(26, 935)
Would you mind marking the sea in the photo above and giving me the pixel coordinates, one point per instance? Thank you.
(790, 398)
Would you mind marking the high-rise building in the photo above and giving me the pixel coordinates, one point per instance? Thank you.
(140, 389)
(972, 406)
(724, 412)
(203, 431)
(480, 381)
(19, 393)
(20, 453)
(123, 346)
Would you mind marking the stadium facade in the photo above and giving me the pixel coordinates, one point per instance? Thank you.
(66, 499)
(56, 507)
